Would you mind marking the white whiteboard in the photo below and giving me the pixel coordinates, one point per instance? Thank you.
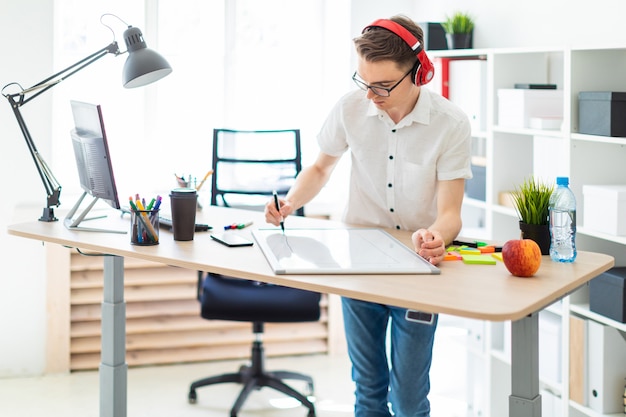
(339, 251)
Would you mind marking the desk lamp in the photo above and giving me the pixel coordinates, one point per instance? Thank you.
(143, 66)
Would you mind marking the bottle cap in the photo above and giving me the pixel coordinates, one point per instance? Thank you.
(562, 180)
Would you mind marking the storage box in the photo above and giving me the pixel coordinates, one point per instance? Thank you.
(607, 293)
(434, 36)
(602, 113)
(605, 208)
(517, 106)
(476, 186)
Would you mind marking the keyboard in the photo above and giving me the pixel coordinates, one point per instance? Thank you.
(167, 223)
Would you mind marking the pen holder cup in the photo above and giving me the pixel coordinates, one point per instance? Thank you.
(144, 227)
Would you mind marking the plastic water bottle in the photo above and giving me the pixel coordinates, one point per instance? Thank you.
(562, 222)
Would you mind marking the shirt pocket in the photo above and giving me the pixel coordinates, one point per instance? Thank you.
(416, 182)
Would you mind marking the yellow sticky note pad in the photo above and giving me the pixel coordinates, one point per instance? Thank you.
(497, 255)
(469, 251)
(479, 259)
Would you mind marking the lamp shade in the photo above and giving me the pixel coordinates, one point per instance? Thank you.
(143, 66)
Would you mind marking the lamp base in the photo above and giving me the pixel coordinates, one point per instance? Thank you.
(48, 215)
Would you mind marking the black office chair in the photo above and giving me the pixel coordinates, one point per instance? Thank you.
(247, 167)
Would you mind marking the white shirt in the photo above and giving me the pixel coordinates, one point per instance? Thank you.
(395, 167)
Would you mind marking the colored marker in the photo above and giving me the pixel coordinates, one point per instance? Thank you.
(158, 202)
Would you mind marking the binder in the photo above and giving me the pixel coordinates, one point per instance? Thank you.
(467, 88)
(577, 354)
(439, 83)
(606, 368)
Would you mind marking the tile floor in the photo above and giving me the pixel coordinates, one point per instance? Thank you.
(161, 391)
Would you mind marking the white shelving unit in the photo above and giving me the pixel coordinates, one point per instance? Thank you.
(513, 154)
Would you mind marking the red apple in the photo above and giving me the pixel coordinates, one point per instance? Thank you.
(521, 257)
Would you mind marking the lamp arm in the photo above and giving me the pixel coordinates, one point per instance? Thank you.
(51, 81)
(17, 100)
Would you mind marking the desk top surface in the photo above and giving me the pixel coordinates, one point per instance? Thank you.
(486, 292)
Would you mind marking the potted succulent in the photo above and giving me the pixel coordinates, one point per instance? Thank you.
(459, 28)
(531, 200)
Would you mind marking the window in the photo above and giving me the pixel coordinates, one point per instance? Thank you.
(237, 63)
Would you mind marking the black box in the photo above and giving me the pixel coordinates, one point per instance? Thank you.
(602, 113)
(477, 186)
(434, 36)
(607, 293)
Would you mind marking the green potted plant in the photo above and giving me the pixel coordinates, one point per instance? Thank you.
(531, 200)
(459, 29)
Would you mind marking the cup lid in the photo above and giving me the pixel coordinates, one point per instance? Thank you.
(183, 192)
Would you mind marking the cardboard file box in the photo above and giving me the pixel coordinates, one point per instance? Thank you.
(605, 208)
(607, 293)
(516, 106)
(602, 113)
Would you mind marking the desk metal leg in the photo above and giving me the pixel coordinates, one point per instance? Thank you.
(525, 400)
(113, 367)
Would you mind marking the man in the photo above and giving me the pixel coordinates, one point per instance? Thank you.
(410, 156)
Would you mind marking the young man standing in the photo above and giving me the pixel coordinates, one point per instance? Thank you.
(410, 156)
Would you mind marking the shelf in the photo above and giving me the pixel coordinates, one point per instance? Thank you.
(498, 208)
(552, 387)
(458, 53)
(604, 236)
(555, 308)
(599, 139)
(474, 202)
(529, 132)
(591, 413)
(512, 155)
(583, 310)
(501, 356)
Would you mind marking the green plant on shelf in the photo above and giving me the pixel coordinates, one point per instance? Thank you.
(459, 22)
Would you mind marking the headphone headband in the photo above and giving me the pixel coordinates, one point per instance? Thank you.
(398, 30)
(425, 72)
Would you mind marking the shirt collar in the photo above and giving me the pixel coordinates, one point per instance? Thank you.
(419, 114)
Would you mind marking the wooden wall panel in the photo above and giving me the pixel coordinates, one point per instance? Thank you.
(163, 320)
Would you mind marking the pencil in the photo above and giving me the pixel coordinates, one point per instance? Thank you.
(208, 174)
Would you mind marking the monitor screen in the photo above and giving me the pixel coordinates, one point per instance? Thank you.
(92, 153)
(93, 161)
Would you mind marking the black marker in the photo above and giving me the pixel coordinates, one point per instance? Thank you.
(282, 223)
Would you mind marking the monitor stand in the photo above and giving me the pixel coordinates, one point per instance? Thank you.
(73, 224)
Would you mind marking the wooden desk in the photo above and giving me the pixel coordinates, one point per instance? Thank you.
(484, 292)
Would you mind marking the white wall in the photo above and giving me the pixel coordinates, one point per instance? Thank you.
(533, 23)
(26, 45)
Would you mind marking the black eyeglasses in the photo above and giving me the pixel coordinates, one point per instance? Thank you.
(379, 91)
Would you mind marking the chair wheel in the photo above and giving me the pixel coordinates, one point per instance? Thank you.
(192, 397)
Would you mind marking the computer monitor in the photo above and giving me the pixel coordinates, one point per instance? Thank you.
(93, 161)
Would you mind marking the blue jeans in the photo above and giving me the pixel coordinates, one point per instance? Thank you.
(402, 385)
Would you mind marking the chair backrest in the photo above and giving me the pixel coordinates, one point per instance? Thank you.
(248, 165)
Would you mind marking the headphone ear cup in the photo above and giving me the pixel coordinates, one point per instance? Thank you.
(425, 70)
(415, 74)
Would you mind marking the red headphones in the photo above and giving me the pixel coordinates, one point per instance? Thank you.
(425, 71)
